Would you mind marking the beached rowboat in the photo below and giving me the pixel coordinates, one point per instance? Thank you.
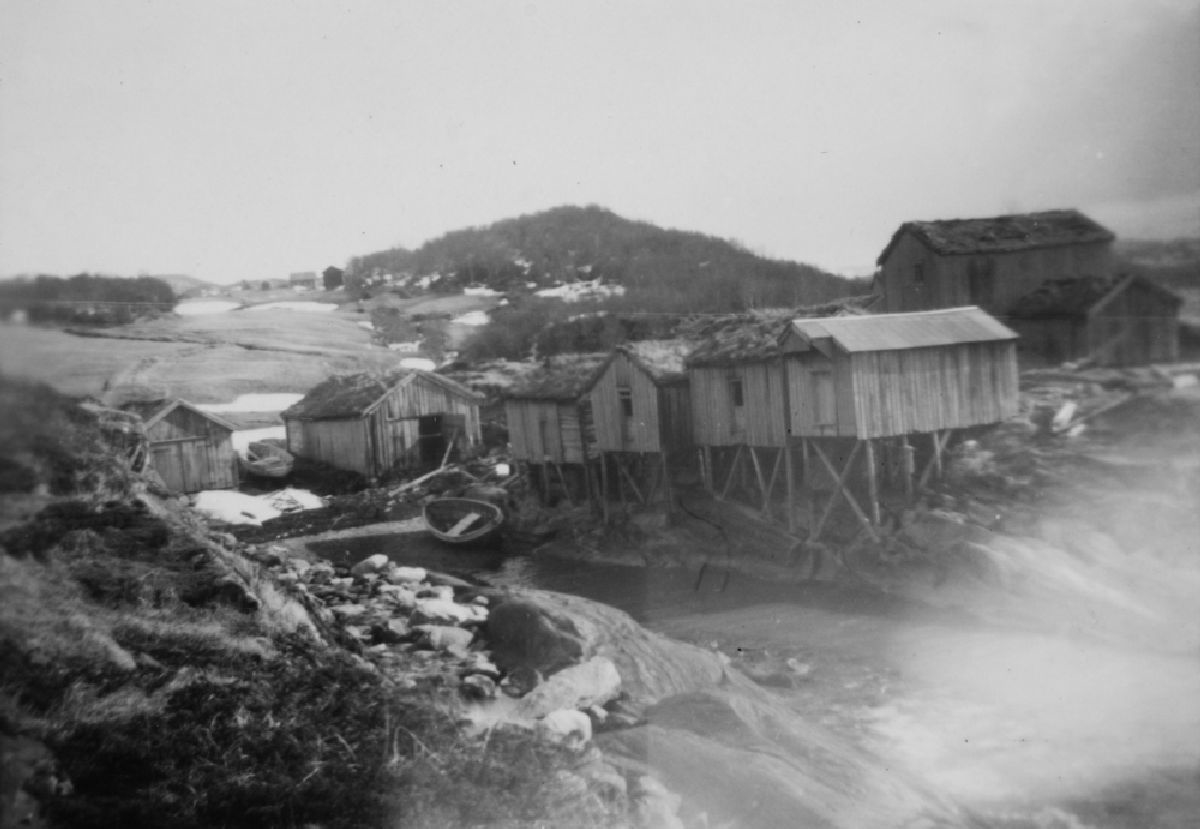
(464, 520)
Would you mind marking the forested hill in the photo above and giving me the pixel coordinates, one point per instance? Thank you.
(661, 267)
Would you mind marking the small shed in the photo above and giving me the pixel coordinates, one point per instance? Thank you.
(1126, 321)
(549, 421)
(191, 450)
(853, 382)
(408, 419)
(642, 414)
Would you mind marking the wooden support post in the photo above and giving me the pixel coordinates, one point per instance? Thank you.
(762, 483)
(791, 485)
(872, 483)
(653, 476)
(843, 491)
(545, 479)
(566, 486)
(807, 476)
(604, 485)
(708, 465)
(937, 455)
(907, 466)
(632, 483)
(737, 456)
(667, 493)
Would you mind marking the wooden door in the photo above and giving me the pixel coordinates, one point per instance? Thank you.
(165, 460)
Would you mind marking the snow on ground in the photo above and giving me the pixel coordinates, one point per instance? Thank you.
(320, 307)
(254, 403)
(420, 363)
(287, 500)
(577, 291)
(199, 307)
(242, 438)
(480, 292)
(472, 318)
(234, 507)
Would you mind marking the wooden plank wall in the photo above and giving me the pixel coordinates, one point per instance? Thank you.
(340, 443)
(925, 389)
(713, 422)
(645, 430)
(200, 451)
(675, 419)
(424, 397)
(544, 430)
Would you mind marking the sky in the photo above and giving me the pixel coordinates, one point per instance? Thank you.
(233, 140)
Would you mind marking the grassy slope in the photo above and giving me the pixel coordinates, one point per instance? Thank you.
(197, 364)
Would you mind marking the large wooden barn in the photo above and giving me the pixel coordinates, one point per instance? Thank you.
(866, 385)
(990, 262)
(549, 422)
(1112, 322)
(191, 450)
(371, 425)
(642, 416)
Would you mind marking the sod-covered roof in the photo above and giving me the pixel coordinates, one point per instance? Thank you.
(754, 336)
(562, 377)
(353, 395)
(1002, 234)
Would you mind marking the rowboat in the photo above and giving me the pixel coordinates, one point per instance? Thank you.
(464, 521)
(266, 460)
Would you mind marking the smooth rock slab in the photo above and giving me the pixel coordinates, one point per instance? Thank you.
(449, 639)
(582, 686)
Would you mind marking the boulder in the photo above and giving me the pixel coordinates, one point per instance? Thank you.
(442, 591)
(350, 610)
(449, 639)
(440, 611)
(391, 632)
(566, 726)
(398, 595)
(656, 806)
(545, 632)
(377, 563)
(937, 531)
(478, 686)
(406, 575)
(582, 686)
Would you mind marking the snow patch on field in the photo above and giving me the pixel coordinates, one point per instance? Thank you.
(473, 318)
(234, 507)
(318, 307)
(254, 403)
(200, 308)
(419, 363)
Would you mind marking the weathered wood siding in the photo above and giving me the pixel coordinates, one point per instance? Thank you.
(1137, 326)
(993, 281)
(660, 419)
(820, 396)
(422, 397)
(544, 430)
(191, 453)
(343, 444)
(718, 422)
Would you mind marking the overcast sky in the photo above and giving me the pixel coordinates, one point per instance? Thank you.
(251, 139)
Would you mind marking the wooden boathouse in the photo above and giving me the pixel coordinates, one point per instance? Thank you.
(550, 431)
(409, 420)
(191, 450)
(1126, 321)
(642, 416)
(739, 400)
(870, 386)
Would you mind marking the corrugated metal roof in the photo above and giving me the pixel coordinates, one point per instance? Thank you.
(891, 332)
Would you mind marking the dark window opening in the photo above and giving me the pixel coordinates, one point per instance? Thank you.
(735, 392)
(626, 398)
(919, 273)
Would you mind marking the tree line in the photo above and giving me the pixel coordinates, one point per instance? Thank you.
(85, 298)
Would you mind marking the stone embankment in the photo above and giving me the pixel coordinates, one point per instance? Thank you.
(562, 666)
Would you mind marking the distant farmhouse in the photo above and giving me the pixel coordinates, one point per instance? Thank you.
(305, 281)
(191, 450)
(407, 420)
(1050, 275)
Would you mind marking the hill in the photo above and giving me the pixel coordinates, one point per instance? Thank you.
(662, 269)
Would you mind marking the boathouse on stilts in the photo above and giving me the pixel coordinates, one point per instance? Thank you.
(738, 399)
(873, 401)
(550, 430)
(643, 421)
